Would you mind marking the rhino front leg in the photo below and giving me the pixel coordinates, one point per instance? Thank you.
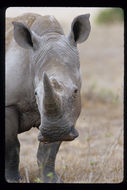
(46, 156)
(12, 146)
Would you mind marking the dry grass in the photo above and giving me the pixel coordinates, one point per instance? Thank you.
(96, 156)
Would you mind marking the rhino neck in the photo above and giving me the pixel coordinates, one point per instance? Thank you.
(46, 24)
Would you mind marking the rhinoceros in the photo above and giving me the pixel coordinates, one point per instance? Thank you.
(43, 83)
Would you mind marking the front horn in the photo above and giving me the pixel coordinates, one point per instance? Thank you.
(51, 101)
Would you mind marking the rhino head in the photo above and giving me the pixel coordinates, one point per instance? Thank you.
(55, 70)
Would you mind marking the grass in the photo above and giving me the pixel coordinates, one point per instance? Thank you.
(104, 95)
(110, 16)
(96, 156)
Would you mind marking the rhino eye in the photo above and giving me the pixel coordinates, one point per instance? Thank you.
(35, 93)
(76, 90)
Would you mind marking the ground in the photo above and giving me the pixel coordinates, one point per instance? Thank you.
(96, 156)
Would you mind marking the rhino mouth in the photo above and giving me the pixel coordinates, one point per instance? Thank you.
(69, 137)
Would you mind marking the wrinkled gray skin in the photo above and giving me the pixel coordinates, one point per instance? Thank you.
(43, 89)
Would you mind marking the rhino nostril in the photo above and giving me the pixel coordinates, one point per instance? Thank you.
(72, 134)
(40, 137)
(75, 135)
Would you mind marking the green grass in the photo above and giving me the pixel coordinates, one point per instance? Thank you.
(104, 95)
(38, 180)
(111, 15)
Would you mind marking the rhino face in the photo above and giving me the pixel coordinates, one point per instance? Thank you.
(55, 71)
(59, 111)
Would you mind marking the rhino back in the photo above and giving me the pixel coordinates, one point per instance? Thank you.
(45, 24)
(39, 24)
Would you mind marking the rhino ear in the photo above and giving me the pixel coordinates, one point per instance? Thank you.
(24, 36)
(80, 29)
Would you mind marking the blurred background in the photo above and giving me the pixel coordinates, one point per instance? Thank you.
(96, 156)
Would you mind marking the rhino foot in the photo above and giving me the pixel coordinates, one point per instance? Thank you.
(51, 177)
(16, 179)
(13, 177)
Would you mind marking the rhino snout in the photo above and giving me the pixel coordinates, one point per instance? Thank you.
(69, 137)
